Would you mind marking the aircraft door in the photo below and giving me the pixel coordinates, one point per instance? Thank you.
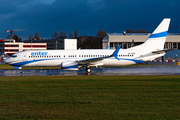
(141, 55)
(24, 57)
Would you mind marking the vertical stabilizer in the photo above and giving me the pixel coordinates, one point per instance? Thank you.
(157, 39)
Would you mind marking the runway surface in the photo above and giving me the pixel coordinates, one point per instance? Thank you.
(159, 70)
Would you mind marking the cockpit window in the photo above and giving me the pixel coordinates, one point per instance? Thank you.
(13, 56)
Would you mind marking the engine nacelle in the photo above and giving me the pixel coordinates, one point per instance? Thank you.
(69, 66)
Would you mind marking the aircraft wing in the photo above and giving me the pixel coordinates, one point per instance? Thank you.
(92, 60)
(89, 61)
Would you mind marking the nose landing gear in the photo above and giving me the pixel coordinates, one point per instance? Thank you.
(21, 70)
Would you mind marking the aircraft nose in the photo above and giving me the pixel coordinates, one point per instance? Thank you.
(6, 60)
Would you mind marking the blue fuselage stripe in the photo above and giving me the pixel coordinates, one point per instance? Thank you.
(19, 64)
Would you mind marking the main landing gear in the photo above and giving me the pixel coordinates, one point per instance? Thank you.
(88, 70)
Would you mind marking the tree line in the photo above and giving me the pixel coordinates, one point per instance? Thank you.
(83, 42)
(15, 37)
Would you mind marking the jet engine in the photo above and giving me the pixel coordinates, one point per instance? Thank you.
(69, 66)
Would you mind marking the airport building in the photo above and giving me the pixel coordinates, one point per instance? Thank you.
(128, 40)
(9, 46)
(51, 44)
(57, 44)
(70, 44)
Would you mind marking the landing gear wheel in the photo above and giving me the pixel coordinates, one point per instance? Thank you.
(21, 70)
(88, 70)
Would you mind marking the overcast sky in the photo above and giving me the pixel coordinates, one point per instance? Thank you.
(87, 16)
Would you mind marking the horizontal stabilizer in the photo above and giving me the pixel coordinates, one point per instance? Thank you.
(161, 51)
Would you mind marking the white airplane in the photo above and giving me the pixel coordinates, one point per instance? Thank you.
(151, 49)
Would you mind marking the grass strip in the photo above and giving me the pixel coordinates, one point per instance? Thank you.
(90, 97)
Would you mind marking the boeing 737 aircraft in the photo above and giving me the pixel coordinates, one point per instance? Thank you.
(151, 49)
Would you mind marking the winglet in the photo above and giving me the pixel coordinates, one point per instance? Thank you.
(107, 47)
(115, 53)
